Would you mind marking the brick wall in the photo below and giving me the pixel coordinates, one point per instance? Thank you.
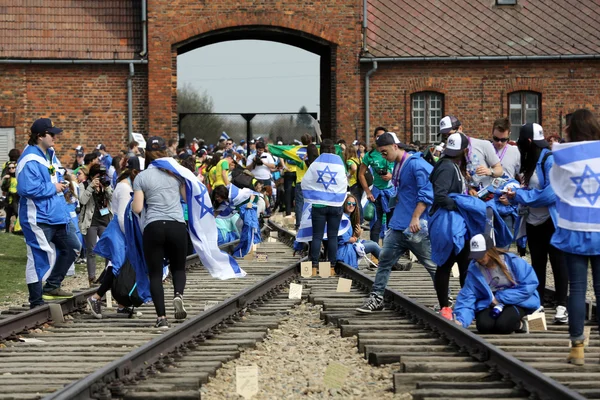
(174, 22)
(477, 92)
(88, 101)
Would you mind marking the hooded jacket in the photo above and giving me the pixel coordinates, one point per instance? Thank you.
(476, 295)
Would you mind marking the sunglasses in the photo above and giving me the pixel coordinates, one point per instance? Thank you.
(497, 139)
(349, 203)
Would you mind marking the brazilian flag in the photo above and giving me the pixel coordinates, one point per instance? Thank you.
(296, 154)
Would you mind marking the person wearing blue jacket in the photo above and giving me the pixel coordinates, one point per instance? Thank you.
(499, 291)
(49, 233)
(414, 196)
(537, 210)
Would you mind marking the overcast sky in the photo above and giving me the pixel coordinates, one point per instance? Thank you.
(253, 76)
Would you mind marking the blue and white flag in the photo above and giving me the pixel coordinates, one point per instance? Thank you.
(224, 136)
(239, 196)
(325, 181)
(305, 231)
(201, 223)
(575, 178)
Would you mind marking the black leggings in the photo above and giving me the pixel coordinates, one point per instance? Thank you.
(538, 240)
(288, 186)
(107, 281)
(442, 274)
(508, 321)
(165, 239)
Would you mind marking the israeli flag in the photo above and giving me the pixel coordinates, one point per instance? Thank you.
(305, 232)
(575, 178)
(325, 181)
(224, 136)
(239, 196)
(201, 223)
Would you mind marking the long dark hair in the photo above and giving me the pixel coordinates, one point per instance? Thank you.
(354, 215)
(461, 161)
(152, 155)
(530, 154)
(496, 255)
(312, 153)
(128, 174)
(583, 126)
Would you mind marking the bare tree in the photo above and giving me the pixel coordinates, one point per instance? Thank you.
(207, 127)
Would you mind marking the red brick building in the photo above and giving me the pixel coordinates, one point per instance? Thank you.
(103, 68)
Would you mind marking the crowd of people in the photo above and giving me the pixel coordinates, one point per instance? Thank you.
(464, 203)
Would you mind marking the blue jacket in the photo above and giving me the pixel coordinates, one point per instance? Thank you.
(346, 252)
(511, 208)
(107, 161)
(413, 187)
(135, 253)
(250, 231)
(450, 230)
(35, 183)
(476, 295)
(544, 197)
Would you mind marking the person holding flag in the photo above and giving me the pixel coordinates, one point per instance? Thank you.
(575, 178)
(157, 192)
(324, 188)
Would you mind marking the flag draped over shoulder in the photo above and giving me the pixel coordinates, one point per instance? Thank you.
(575, 178)
(325, 181)
(305, 231)
(201, 223)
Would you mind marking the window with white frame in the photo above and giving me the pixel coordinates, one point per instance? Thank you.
(427, 111)
(523, 107)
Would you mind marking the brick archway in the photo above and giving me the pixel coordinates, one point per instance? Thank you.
(176, 29)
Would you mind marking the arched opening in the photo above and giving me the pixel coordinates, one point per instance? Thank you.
(325, 104)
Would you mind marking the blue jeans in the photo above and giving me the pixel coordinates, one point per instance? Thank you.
(371, 248)
(299, 204)
(578, 273)
(321, 216)
(395, 245)
(67, 245)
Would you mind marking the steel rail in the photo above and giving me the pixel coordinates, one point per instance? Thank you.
(40, 315)
(515, 370)
(112, 377)
(518, 372)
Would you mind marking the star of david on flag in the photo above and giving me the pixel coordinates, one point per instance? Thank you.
(575, 178)
(331, 180)
(200, 199)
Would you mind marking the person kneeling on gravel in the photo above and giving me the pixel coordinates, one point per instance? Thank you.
(499, 291)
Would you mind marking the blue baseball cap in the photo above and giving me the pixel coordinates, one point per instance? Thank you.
(43, 125)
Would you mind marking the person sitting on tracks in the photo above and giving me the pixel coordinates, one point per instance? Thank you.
(499, 291)
(44, 217)
(350, 245)
(414, 197)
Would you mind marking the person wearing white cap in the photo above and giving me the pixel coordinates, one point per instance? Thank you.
(410, 215)
(538, 216)
(483, 164)
(499, 292)
(449, 176)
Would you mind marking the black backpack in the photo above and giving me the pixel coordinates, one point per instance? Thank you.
(124, 287)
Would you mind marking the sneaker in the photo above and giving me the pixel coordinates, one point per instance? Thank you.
(446, 312)
(562, 315)
(162, 323)
(125, 310)
(373, 303)
(95, 306)
(57, 294)
(524, 326)
(180, 312)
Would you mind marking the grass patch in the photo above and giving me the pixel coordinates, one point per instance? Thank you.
(13, 258)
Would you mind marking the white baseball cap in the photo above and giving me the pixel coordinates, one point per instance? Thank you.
(449, 123)
(456, 143)
(535, 132)
(479, 245)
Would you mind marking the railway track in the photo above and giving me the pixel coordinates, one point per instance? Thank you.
(87, 350)
(437, 359)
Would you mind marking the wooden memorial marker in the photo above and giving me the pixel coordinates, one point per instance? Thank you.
(295, 291)
(455, 271)
(246, 381)
(262, 257)
(324, 269)
(335, 375)
(344, 285)
(56, 313)
(108, 299)
(306, 269)
(537, 321)
(208, 304)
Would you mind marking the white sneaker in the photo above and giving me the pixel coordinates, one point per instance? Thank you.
(562, 315)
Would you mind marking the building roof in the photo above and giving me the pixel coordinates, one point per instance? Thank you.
(71, 29)
(476, 28)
